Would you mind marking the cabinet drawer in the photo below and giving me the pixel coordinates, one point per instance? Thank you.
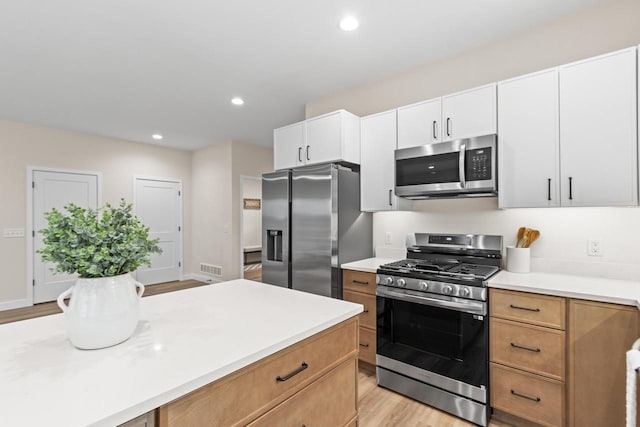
(253, 390)
(368, 317)
(367, 346)
(359, 281)
(527, 396)
(537, 309)
(532, 348)
(330, 402)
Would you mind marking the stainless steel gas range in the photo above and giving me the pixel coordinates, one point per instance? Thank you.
(432, 324)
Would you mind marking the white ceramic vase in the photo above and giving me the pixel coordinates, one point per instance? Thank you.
(103, 311)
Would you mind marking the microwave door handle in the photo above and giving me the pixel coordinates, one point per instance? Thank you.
(461, 161)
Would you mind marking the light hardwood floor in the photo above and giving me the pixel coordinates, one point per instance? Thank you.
(48, 308)
(380, 407)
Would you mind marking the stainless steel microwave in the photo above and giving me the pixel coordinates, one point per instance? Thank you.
(460, 168)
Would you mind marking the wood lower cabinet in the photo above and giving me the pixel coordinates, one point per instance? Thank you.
(360, 287)
(527, 351)
(293, 377)
(599, 336)
(545, 374)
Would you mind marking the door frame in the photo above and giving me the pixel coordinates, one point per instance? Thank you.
(241, 236)
(30, 232)
(180, 214)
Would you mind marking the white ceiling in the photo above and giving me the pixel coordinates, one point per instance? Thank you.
(128, 69)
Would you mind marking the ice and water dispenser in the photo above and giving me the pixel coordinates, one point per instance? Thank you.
(274, 245)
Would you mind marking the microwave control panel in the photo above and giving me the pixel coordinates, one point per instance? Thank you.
(478, 164)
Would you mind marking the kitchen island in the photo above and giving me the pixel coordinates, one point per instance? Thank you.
(186, 343)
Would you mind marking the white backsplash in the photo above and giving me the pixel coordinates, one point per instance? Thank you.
(561, 248)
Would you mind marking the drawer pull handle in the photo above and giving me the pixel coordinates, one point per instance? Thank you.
(292, 374)
(535, 350)
(537, 310)
(358, 282)
(364, 345)
(365, 311)
(534, 399)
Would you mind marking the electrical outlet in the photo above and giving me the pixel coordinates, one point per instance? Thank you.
(594, 247)
(387, 238)
(12, 233)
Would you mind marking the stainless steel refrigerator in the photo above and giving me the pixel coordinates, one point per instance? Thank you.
(311, 224)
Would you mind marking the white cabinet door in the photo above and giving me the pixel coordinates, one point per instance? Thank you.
(469, 113)
(598, 131)
(420, 124)
(324, 139)
(288, 146)
(333, 137)
(528, 147)
(377, 180)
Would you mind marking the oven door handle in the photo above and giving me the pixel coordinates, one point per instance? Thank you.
(467, 307)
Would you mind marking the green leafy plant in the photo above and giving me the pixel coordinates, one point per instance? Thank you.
(97, 243)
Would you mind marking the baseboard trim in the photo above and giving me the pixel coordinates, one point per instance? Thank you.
(200, 277)
(18, 303)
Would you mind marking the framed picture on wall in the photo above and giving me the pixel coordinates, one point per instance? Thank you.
(252, 204)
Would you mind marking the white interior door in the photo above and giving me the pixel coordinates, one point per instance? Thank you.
(158, 204)
(56, 190)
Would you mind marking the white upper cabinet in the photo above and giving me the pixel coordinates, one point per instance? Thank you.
(598, 131)
(377, 180)
(420, 124)
(333, 137)
(288, 145)
(528, 145)
(469, 113)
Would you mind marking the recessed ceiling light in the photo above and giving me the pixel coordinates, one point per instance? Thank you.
(237, 101)
(156, 136)
(349, 23)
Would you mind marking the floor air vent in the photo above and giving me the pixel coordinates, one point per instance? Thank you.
(213, 270)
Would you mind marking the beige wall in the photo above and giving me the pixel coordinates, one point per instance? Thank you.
(248, 160)
(565, 231)
(23, 145)
(612, 25)
(216, 212)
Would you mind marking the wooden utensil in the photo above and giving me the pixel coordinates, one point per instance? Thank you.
(533, 236)
(519, 236)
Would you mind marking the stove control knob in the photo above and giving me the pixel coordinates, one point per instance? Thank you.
(423, 286)
(465, 292)
(389, 280)
(402, 283)
(447, 289)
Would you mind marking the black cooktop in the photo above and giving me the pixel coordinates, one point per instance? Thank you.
(441, 266)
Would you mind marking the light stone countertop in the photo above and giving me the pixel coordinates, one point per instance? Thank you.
(625, 292)
(184, 340)
(368, 265)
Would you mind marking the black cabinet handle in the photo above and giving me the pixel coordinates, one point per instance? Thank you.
(448, 126)
(548, 188)
(524, 396)
(308, 153)
(435, 136)
(292, 374)
(364, 345)
(390, 200)
(524, 308)
(358, 282)
(570, 188)
(300, 154)
(365, 311)
(534, 350)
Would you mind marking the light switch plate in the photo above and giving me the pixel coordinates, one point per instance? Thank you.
(12, 233)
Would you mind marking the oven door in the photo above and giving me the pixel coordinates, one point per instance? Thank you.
(461, 167)
(442, 341)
